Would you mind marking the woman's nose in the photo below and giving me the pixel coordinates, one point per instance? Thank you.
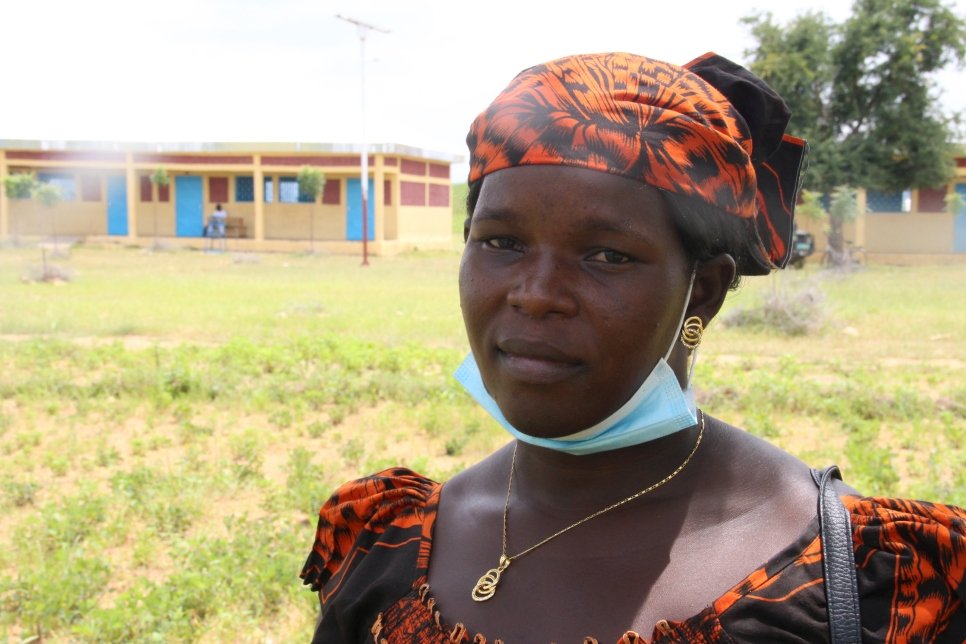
(543, 287)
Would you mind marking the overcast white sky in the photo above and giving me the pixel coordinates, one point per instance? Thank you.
(289, 70)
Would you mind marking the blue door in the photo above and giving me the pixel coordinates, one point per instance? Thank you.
(959, 231)
(353, 211)
(188, 212)
(116, 205)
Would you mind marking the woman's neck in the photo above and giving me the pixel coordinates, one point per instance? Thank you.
(565, 485)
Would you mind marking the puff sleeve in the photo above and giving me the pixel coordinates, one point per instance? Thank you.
(371, 538)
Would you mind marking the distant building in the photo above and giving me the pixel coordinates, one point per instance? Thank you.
(908, 222)
(107, 194)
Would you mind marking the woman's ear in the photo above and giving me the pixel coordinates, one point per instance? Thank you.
(712, 280)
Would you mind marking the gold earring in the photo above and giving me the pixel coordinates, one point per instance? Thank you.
(691, 332)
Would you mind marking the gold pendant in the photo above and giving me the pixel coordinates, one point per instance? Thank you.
(486, 587)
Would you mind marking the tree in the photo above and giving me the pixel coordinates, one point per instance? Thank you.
(796, 61)
(843, 207)
(19, 185)
(48, 195)
(311, 182)
(863, 93)
(158, 178)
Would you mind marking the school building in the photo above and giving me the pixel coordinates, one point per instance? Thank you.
(907, 223)
(107, 194)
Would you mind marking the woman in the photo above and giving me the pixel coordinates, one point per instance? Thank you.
(614, 201)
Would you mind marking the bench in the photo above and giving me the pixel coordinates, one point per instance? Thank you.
(235, 228)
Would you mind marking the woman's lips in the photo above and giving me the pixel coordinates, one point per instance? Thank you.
(535, 362)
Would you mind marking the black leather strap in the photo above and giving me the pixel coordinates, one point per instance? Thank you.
(838, 561)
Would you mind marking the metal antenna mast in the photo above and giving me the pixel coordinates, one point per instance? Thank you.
(363, 29)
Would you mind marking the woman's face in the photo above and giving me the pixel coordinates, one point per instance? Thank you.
(572, 286)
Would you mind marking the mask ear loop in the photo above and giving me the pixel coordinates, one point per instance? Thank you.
(691, 330)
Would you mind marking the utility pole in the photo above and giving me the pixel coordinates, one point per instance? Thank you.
(363, 29)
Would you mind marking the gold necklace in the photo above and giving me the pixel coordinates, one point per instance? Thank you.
(486, 587)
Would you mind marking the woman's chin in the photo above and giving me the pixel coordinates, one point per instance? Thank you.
(546, 426)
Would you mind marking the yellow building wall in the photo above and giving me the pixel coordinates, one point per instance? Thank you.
(818, 228)
(909, 233)
(292, 221)
(162, 213)
(390, 213)
(73, 218)
(424, 222)
(390, 223)
(282, 222)
(246, 211)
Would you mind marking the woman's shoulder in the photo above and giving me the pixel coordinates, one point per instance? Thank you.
(911, 562)
(910, 559)
(367, 510)
(911, 531)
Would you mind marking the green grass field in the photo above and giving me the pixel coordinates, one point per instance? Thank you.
(170, 422)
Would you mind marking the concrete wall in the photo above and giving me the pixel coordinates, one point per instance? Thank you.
(895, 233)
(818, 229)
(909, 233)
(73, 218)
(292, 221)
(415, 222)
(150, 212)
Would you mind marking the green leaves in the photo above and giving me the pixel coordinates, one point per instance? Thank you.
(863, 92)
(19, 185)
(160, 177)
(23, 185)
(311, 181)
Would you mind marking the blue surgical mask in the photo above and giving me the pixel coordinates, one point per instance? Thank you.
(658, 408)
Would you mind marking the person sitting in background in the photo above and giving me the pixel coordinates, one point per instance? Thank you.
(216, 227)
(614, 200)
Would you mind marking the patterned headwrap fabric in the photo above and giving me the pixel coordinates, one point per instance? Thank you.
(710, 130)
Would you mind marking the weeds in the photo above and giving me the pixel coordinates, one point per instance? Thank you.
(18, 493)
(173, 481)
(799, 310)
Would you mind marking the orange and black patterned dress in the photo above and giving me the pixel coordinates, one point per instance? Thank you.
(370, 564)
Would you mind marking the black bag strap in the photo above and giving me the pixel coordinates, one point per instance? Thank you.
(838, 561)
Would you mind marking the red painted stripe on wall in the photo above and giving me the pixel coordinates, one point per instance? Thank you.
(438, 195)
(393, 161)
(191, 158)
(439, 171)
(64, 155)
(310, 160)
(412, 193)
(413, 167)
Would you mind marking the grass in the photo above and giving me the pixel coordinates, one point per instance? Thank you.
(170, 422)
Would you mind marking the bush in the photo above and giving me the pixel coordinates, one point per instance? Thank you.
(790, 311)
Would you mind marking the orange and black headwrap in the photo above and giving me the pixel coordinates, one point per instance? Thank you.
(709, 130)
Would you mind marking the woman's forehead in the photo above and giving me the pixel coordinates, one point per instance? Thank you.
(581, 188)
(560, 196)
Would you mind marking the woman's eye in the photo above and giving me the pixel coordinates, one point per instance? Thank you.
(608, 256)
(501, 243)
